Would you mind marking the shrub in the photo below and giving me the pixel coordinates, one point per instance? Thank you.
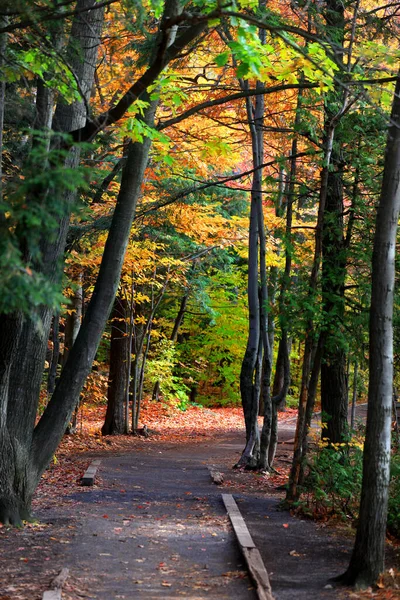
(332, 484)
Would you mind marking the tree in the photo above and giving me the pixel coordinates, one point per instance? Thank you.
(26, 449)
(367, 561)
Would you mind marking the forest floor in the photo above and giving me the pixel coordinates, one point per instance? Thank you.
(153, 526)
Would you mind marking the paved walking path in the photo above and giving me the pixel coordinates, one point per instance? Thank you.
(156, 527)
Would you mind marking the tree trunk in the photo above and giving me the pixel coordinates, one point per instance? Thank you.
(3, 48)
(58, 412)
(334, 398)
(367, 561)
(73, 321)
(251, 366)
(24, 475)
(21, 397)
(114, 423)
(309, 344)
(354, 397)
(55, 355)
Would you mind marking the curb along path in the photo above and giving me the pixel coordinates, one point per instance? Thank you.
(155, 528)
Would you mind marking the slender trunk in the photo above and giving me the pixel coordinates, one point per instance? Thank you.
(26, 373)
(73, 321)
(367, 561)
(309, 344)
(142, 372)
(129, 358)
(137, 387)
(282, 370)
(354, 397)
(117, 383)
(334, 398)
(3, 48)
(277, 399)
(252, 362)
(50, 428)
(311, 395)
(251, 353)
(258, 350)
(396, 427)
(55, 355)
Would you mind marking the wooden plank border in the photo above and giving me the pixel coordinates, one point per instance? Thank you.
(251, 554)
(90, 473)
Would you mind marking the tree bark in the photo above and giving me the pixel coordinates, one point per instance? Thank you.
(250, 374)
(3, 48)
(55, 355)
(73, 321)
(50, 428)
(309, 344)
(367, 561)
(37, 449)
(114, 423)
(334, 396)
(31, 334)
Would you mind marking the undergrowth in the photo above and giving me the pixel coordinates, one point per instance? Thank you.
(332, 483)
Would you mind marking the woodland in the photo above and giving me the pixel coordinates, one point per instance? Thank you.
(199, 206)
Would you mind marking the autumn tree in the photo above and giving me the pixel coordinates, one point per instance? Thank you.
(367, 561)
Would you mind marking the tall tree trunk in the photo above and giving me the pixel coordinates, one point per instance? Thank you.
(35, 451)
(3, 48)
(334, 397)
(354, 397)
(250, 374)
(367, 561)
(117, 381)
(55, 418)
(309, 344)
(22, 394)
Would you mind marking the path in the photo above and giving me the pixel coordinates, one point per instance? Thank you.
(155, 527)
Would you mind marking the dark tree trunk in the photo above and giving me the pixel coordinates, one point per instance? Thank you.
(20, 470)
(250, 375)
(58, 412)
(72, 321)
(367, 561)
(26, 373)
(354, 396)
(55, 355)
(3, 48)
(117, 382)
(279, 373)
(309, 344)
(334, 399)
(278, 398)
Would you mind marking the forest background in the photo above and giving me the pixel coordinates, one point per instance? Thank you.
(209, 174)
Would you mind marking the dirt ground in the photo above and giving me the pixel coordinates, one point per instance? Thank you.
(154, 525)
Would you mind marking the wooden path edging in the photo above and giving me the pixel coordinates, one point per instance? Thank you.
(251, 554)
(55, 592)
(90, 473)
